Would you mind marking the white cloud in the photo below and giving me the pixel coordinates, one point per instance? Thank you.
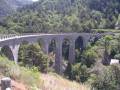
(35, 0)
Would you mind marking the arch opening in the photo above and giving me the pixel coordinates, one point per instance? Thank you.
(7, 52)
(52, 52)
(79, 46)
(52, 47)
(65, 53)
(65, 49)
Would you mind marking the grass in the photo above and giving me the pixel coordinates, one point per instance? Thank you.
(56, 82)
(33, 79)
(30, 77)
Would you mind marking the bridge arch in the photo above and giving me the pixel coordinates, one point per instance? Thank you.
(52, 46)
(79, 43)
(65, 53)
(6, 51)
(65, 48)
(11, 51)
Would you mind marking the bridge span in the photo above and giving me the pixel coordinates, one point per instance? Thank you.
(14, 41)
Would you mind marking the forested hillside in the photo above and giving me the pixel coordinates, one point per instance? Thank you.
(64, 16)
(92, 64)
(9, 6)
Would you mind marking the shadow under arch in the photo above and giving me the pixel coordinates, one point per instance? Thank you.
(65, 54)
(79, 45)
(7, 52)
(65, 48)
(52, 48)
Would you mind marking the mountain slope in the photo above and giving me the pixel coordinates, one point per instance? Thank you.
(51, 16)
(9, 6)
(56, 82)
(3, 9)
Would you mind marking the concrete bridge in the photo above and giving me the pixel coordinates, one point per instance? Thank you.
(14, 42)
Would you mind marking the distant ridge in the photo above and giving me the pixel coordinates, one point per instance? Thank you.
(9, 6)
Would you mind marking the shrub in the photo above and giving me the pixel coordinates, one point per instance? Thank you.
(117, 56)
(31, 77)
(33, 56)
(108, 79)
(89, 57)
(80, 73)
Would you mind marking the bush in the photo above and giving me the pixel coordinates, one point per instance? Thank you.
(31, 77)
(117, 56)
(33, 56)
(80, 72)
(108, 79)
(68, 71)
(89, 57)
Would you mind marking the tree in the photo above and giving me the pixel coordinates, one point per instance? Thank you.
(68, 71)
(108, 78)
(89, 57)
(80, 73)
(32, 55)
(106, 44)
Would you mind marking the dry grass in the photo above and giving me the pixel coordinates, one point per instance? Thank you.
(32, 79)
(55, 82)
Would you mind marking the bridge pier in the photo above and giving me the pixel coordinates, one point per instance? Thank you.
(72, 51)
(58, 57)
(15, 50)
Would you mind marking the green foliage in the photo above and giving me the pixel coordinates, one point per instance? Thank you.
(108, 79)
(117, 56)
(32, 55)
(68, 71)
(63, 16)
(89, 57)
(80, 73)
(30, 77)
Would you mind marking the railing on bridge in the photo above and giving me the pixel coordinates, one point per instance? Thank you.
(5, 36)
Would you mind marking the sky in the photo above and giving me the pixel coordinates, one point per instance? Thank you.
(35, 0)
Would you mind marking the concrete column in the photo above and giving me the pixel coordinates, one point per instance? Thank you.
(58, 57)
(72, 51)
(15, 50)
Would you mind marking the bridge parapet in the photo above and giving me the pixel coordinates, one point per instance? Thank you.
(3, 36)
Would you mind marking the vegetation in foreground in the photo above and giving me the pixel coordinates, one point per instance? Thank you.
(29, 77)
(34, 80)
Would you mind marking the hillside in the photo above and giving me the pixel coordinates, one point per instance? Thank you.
(56, 82)
(30, 79)
(3, 9)
(9, 6)
(51, 16)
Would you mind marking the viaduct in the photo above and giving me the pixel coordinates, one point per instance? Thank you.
(14, 42)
